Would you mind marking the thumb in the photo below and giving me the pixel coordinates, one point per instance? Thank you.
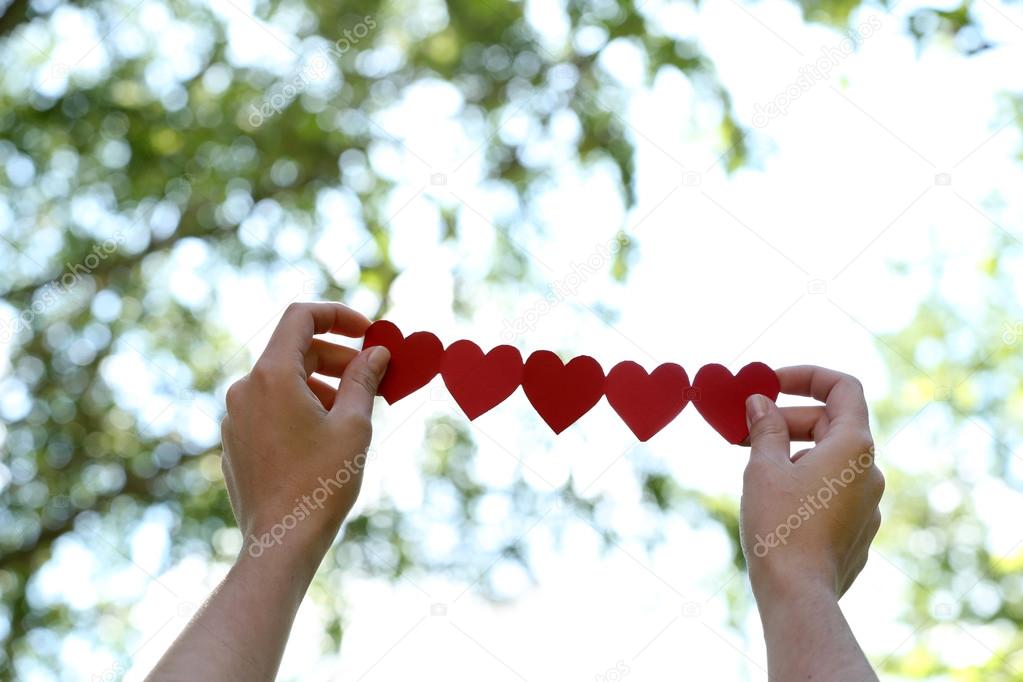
(768, 430)
(360, 381)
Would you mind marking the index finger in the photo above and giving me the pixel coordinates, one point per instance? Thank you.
(301, 321)
(842, 394)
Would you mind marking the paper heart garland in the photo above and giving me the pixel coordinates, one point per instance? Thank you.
(414, 361)
(479, 382)
(561, 392)
(647, 402)
(721, 397)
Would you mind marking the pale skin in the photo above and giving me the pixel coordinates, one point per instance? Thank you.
(824, 500)
(286, 432)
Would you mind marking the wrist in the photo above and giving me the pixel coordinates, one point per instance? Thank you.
(302, 531)
(275, 579)
(806, 634)
(790, 611)
(297, 552)
(776, 584)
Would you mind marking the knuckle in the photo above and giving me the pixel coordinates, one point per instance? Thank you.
(233, 397)
(863, 442)
(366, 381)
(770, 428)
(295, 308)
(877, 482)
(853, 382)
(260, 373)
(265, 373)
(357, 422)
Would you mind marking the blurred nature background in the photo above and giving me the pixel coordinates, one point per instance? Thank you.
(828, 182)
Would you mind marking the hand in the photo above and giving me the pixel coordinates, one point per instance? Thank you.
(294, 448)
(807, 521)
(294, 451)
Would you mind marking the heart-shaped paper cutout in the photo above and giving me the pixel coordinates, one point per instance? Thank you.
(721, 397)
(562, 393)
(479, 382)
(414, 360)
(647, 402)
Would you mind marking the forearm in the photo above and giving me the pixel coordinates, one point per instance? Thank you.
(240, 631)
(808, 638)
(294, 450)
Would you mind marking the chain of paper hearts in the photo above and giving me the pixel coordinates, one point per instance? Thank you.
(562, 393)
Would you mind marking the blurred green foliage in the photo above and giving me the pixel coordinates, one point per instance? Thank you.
(153, 160)
(958, 374)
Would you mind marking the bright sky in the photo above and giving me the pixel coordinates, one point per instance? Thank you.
(898, 156)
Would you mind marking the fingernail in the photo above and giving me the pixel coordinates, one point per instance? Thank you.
(756, 407)
(378, 358)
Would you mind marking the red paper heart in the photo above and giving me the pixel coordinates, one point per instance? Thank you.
(647, 402)
(721, 397)
(561, 393)
(479, 382)
(414, 360)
